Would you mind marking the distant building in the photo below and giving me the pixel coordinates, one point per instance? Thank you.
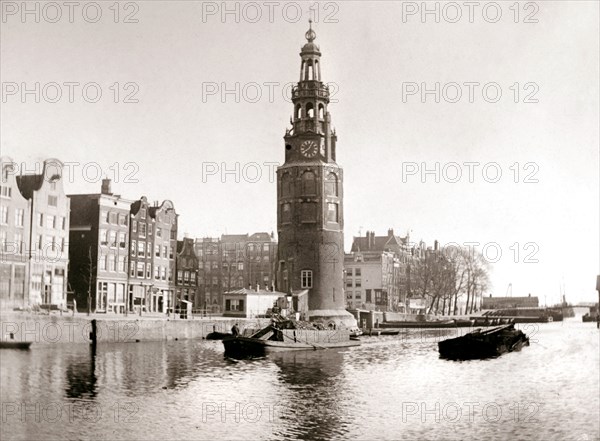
(377, 272)
(509, 302)
(164, 242)
(208, 252)
(15, 217)
(48, 248)
(186, 279)
(99, 251)
(233, 262)
(371, 280)
(153, 243)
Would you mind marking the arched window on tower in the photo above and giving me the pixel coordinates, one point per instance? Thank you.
(286, 185)
(317, 71)
(321, 111)
(310, 71)
(299, 111)
(331, 185)
(310, 110)
(309, 183)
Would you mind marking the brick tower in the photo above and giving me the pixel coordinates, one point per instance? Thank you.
(310, 214)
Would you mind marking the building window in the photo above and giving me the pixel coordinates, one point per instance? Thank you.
(4, 214)
(112, 266)
(180, 277)
(349, 295)
(6, 191)
(112, 217)
(234, 305)
(50, 221)
(357, 283)
(286, 212)
(306, 278)
(122, 264)
(102, 263)
(40, 240)
(113, 239)
(141, 249)
(122, 240)
(309, 183)
(140, 269)
(18, 242)
(157, 250)
(103, 237)
(143, 213)
(40, 219)
(170, 253)
(308, 212)
(331, 185)
(133, 247)
(62, 244)
(150, 229)
(240, 266)
(349, 283)
(332, 212)
(148, 271)
(142, 229)
(357, 272)
(132, 269)
(286, 185)
(19, 217)
(158, 232)
(157, 272)
(148, 249)
(122, 219)
(52, 201)
(164, 251)
(357, 295)
(163, 273)
(134, 226)
(368, 291)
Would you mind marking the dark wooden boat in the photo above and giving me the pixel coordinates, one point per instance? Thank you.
(484, 344)
(454, 323)
(216, 335)
(11, 344)
(275, 338)
(380, 331)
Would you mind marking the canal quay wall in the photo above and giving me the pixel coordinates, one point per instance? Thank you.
(80, 328)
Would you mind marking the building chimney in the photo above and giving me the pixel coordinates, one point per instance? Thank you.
(105, 189)
(257, 287)
(390, 232)
(435, 245)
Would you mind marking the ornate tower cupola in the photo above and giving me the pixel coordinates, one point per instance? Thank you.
(311, 118)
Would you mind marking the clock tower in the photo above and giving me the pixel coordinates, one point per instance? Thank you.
(310, 214)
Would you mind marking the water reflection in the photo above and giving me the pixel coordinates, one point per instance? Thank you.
(81, 375)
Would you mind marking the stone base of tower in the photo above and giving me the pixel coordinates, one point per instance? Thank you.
(340, 317)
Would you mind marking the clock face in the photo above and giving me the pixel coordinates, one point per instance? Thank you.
(309, 149)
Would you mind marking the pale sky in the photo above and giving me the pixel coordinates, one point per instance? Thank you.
(178, 50)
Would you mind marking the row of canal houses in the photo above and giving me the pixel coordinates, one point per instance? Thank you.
(105, 252)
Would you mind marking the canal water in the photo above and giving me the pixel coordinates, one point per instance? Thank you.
(393, 387)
